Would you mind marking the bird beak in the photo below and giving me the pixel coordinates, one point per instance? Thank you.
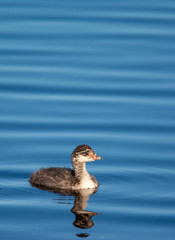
(98, 157)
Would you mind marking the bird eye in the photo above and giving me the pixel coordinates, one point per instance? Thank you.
(85, 153)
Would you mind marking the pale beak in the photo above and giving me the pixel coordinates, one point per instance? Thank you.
(98, 157)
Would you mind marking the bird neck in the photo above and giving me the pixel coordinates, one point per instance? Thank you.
(80, 169)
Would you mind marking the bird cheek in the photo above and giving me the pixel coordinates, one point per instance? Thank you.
(92, 156)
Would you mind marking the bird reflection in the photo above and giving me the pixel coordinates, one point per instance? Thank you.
(82, 217)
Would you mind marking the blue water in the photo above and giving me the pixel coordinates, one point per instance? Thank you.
(100, 73)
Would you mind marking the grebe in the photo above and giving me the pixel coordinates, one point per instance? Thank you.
(66, 178)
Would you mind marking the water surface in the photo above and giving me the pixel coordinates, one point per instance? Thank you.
(99, 73)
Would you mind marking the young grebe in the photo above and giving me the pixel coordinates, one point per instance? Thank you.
(65, 178)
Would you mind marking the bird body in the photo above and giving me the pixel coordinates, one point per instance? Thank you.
(66, 178)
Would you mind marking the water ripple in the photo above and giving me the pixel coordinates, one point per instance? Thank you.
(98, 73)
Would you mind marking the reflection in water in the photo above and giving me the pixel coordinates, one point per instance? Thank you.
(82, 217)
(82, 235)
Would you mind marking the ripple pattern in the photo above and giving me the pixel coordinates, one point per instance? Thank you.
(99, 73)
